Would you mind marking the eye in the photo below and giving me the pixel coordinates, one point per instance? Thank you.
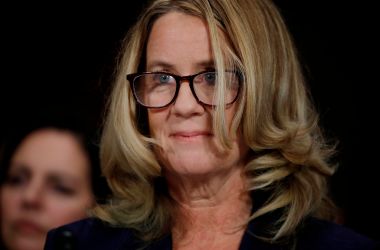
(17, 177)
(209, 77)
(62, 189)
(16, 180)
(162, 78)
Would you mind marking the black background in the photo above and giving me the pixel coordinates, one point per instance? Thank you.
(57, 60)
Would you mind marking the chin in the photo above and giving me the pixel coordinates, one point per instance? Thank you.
(195, 161)
(23, 244)
(192, 166)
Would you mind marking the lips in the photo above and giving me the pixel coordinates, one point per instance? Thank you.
(28, 227)
(190, 135)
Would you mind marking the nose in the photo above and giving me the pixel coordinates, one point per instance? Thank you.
(186, 104)
(32, 196)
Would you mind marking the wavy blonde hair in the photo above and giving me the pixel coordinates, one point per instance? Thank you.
(290, 158)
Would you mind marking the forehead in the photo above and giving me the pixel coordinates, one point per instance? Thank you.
(180, 39)
(51, 151)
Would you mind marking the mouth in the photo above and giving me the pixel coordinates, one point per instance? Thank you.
(28, 227)
(191, 135)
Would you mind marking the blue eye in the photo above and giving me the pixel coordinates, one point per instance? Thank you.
(163, 78)
(210, 77)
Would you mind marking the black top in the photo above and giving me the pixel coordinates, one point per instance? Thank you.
(313, 234)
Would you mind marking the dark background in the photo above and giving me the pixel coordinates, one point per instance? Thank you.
(57, 61)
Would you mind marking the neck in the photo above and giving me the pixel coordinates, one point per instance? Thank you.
(209, 209)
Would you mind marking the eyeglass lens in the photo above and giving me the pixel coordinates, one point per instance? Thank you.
(159, 89)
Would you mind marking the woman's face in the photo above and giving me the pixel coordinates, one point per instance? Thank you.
(48, 185)
(180, 44)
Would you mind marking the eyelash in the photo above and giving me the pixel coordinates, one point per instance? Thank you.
(15, 180)
(63, 189)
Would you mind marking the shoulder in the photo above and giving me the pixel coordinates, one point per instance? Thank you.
(319, 234)
(89, 233)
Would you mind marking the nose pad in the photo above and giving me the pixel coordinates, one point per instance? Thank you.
(186, 90)
(185, 101)
(186, 104)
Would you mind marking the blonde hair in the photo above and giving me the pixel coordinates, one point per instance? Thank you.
(290, 159)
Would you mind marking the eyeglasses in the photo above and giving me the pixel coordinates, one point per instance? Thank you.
(160, 89)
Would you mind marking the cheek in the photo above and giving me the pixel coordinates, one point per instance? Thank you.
(10, 209)
(230, 113)
(65, 211)
(10, 203)
(157, 121)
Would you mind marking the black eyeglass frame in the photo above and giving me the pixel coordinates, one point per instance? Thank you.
(179, 79)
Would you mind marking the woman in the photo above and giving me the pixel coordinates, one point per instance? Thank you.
(46, 182)
(211, 141)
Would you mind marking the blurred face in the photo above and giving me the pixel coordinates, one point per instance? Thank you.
(180, 44)
(48, 185)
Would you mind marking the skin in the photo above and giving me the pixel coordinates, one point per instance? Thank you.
(48, 185)
(205, 179)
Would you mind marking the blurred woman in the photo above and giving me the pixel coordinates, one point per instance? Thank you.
(46, 182)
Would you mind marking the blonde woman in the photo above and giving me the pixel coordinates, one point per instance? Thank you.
(211, 141)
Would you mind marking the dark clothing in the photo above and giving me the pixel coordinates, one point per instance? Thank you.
(313, 234)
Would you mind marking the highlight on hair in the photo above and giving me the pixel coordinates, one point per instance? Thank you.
(289, 156)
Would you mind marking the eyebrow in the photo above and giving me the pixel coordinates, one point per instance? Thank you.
(207, 64)
(16, 167)
(159, 64)
(16, 171)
